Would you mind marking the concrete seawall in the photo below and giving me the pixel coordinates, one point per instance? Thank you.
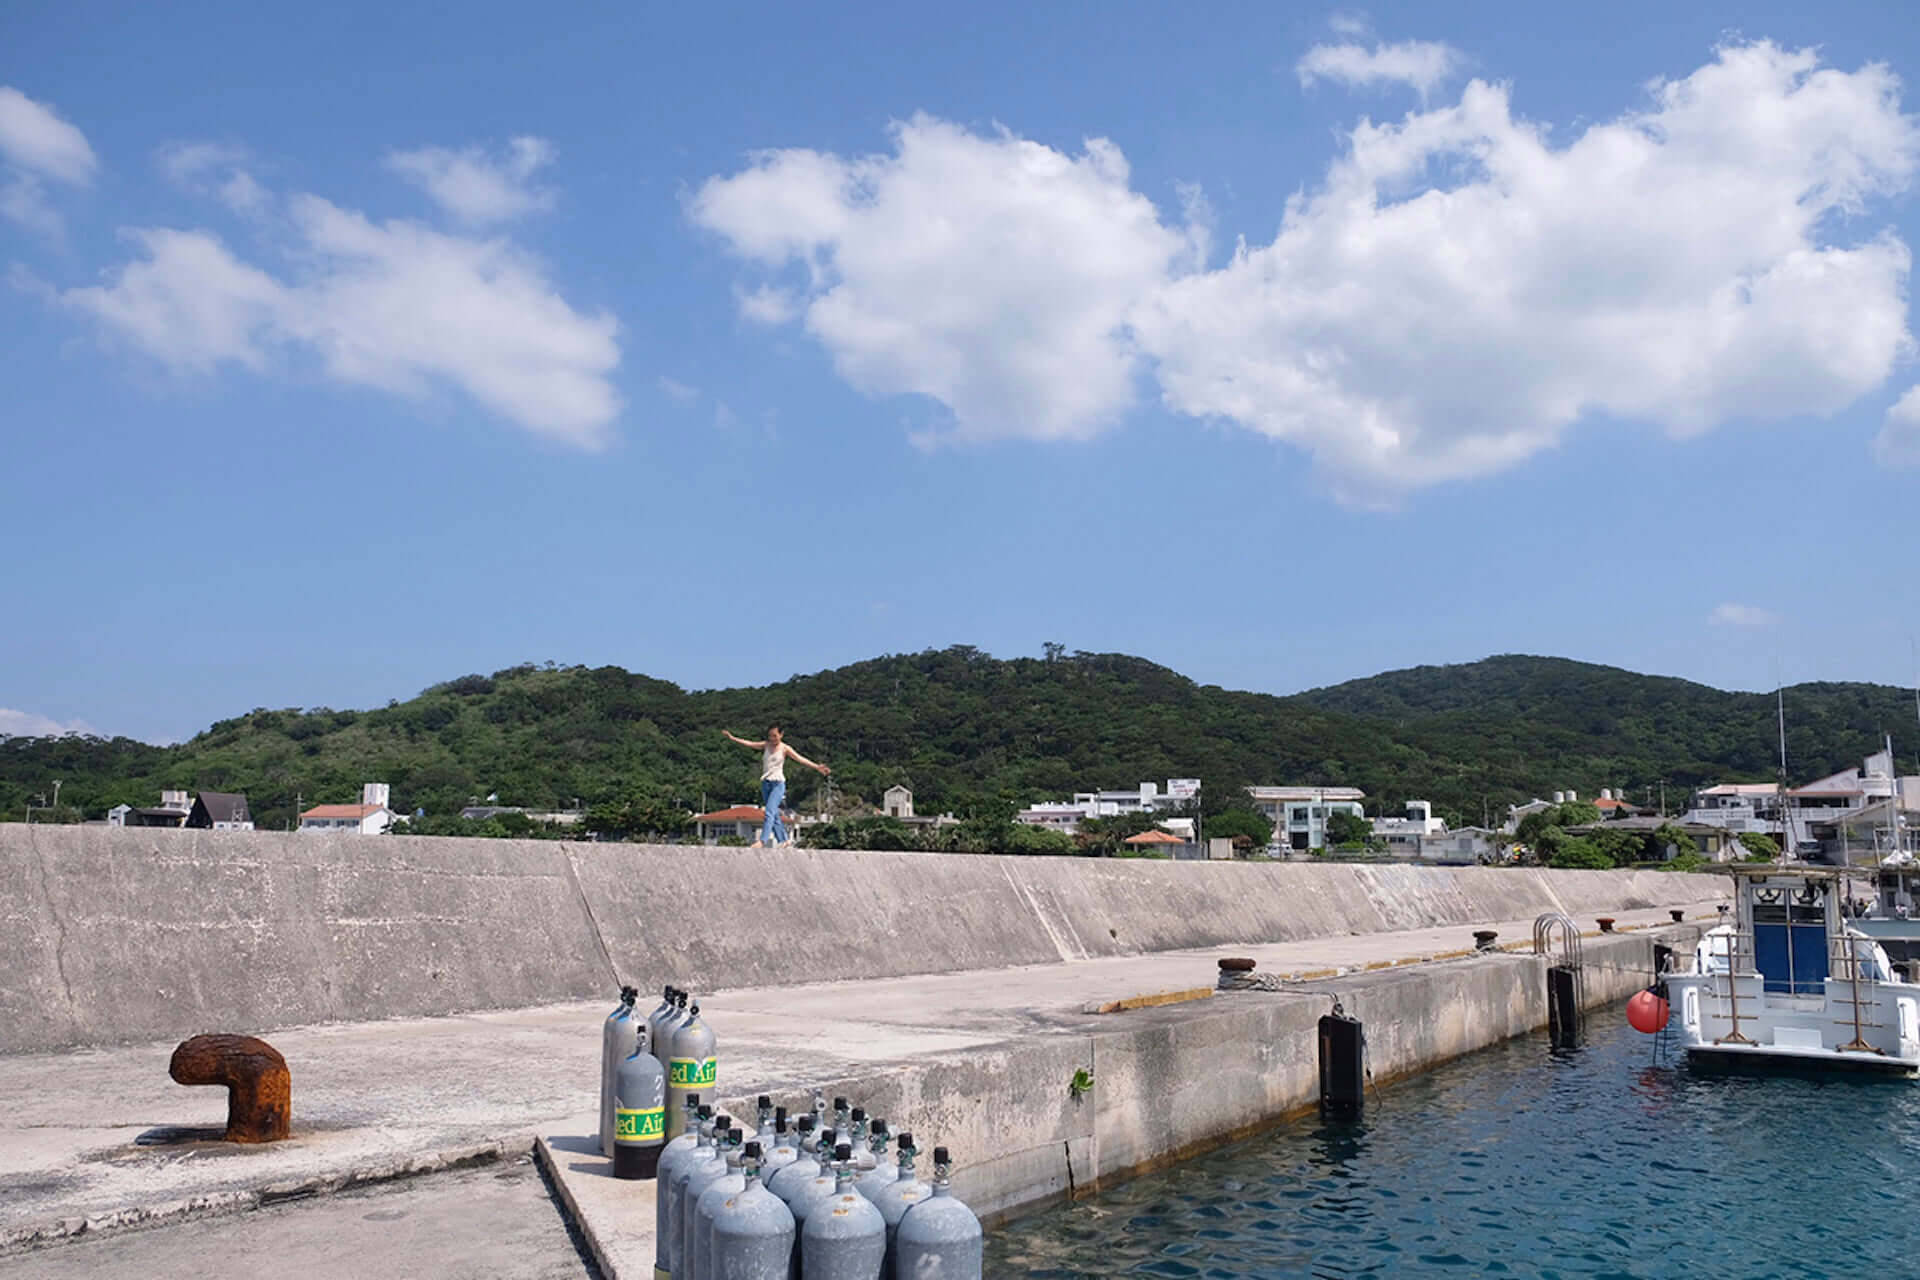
(1175, 1081)
(113, 935)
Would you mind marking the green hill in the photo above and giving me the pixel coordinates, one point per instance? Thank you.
(961, 727)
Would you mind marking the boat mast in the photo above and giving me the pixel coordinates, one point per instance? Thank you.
(1789, 844)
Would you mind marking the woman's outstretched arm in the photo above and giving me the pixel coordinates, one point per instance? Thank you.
(797, 758)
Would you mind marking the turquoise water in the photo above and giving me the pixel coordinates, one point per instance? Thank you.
(1521, 1162)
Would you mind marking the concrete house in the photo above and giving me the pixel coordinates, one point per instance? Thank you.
(370, 817)
(172, 811)
(1299, 814)
(220, 811)
(742, 822)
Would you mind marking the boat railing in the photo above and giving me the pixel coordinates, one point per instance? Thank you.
(1850, 968)
(1723, 983)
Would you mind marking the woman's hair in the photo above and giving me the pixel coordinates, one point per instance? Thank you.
(772, 729)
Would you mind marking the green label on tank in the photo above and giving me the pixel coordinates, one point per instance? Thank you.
(640, 1126)
(692, 1073)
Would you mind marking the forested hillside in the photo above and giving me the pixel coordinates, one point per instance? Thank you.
(961, 727)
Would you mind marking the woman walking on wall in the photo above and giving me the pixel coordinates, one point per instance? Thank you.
(774, 754)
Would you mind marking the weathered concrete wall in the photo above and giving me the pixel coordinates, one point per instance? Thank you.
(114, 934)
(131, 934)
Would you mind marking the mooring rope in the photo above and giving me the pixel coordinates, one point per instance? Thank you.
(1232, 981)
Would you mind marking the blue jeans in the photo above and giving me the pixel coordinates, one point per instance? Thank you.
(772, 796)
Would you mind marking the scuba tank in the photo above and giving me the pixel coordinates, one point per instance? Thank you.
(616, 1042)
(939, 1238)
(700, 1226)
(844, 1237)
(763, 1132)
(784, 1151)
(812, 1143)
(656, 1030)
(884, 1170)
(804, 1197)
(805, 1165)
(862, 1157)
(639, 1114)
(670, 1021)
(694, 1177)
(752, 1229)
(898, 1196)
(673, 1157)
(691, 1064)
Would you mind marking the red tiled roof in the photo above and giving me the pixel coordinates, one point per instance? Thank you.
(1605, 802)
(1153, 837)
(342, 810)
(739, 813)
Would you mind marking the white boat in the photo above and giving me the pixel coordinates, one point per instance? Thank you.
(1789, 982)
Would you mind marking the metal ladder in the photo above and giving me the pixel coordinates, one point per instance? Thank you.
(1556, 937)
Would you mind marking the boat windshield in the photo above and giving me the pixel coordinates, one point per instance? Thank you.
(1790, 938)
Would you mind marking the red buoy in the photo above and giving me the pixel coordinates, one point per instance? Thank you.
(1647, 1012)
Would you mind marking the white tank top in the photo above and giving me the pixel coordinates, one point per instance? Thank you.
(773, 764)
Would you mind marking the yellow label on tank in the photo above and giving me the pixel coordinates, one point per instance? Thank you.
(642, 1127)
(692, 1073)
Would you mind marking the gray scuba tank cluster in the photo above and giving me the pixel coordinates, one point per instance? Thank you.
(648, 1067)
(813, 1197)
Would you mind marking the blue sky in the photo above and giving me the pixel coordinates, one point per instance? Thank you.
(347, 350)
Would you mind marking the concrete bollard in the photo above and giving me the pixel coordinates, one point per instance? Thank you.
(259, 1087)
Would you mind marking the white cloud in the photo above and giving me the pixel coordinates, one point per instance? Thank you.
(476, 187)
(1743, 615)
(38, 147)
(395, 306)
(217, 169)
(1898, 444)
(27, 724)
(992, 273)
(1350, 24)
(188, 302)
(677, 391)
(1424, 65)
(768, 305)
(1672, 266)
(1452, 296)
(35, 138)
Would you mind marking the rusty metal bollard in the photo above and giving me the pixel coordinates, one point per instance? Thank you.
(259, 1087)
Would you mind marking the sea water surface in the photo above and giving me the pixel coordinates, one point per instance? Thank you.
(1520, 1161)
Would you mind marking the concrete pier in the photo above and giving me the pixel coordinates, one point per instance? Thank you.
(953, 998)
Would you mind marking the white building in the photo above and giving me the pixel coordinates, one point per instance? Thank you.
(1067, 815)
(370, 817)
(1299, 814)
(740, 822)
(1409, 834)
(1742, 807)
